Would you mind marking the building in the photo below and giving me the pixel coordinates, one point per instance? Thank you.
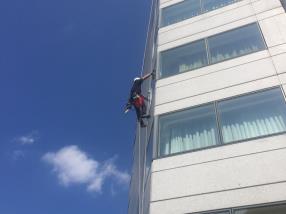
(217, 141)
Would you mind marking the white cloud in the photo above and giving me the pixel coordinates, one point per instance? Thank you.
(28, 139)
(73, 166)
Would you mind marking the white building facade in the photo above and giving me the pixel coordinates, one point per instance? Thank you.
(216, 143)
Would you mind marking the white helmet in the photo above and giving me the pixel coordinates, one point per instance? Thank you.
(136, 78)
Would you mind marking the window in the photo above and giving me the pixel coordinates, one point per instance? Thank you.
(275, 209)
(188, 130)
(246, 117)
(218, 212)
(209, 5)
(149, 155)
(252, 116)
(184, 58)
(227, 45)
(235, 43)
(283, 2)
(190, 8)
(225, 212)
(270, 209)
(179, 12)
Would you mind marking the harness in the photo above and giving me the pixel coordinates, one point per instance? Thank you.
(138, 100)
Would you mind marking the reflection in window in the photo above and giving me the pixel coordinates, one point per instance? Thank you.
(283, 2)
(188, 130)
(209, 5)
(226, 212)
(184, 58)
(235, 43)
(149, 154)
(277, 209)
(227, 45)
(252, 116)
(222, 212)
(246, 117)
(190, 8)
(181, 11)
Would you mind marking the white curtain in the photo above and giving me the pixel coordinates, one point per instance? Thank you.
(192, 141)
(253, 125)
(190, 136)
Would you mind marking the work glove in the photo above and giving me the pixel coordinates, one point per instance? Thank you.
(127, 107)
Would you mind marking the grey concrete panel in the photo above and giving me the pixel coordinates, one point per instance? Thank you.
(278, 49)
(217, 95)
(274, 30)
(225, 174)
(213, 68)
(215, 81)
(280, 62)
(204, 24)
(223, 152)
(220, 200)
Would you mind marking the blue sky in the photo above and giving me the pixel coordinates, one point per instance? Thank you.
(66, 67)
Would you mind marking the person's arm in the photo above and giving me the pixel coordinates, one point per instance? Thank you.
(128, 106)
(147, 76)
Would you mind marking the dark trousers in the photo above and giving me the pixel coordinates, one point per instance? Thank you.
(140, 111)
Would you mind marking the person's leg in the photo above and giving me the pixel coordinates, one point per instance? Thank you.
(138, 113)
(144, 111)
(139, 117)
(144, 108)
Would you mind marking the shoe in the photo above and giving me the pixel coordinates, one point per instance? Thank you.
(142, 124)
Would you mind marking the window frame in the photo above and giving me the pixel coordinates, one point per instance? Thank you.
(233, 209)
(201, 9)
(150, 142)
(220, 137)
(207, 49)
(205, 45)
(283, 3)
(214, 211)
(259, 31)
(279, 203)
(249, 94)
(174, 5)
(194, 150)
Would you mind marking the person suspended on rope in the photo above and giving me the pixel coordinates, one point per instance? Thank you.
(137, 100)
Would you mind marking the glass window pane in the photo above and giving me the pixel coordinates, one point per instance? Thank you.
(179, 12)
(277, 209)
(209, 5)
(283, 2)
(224, 212)
(149, 154)
(235, 43)
(188, 130)
(184, 58)
(220, 212)
(252, 116)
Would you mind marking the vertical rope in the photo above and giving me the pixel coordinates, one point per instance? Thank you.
(138, 127)
(139, 171)
(146, 42)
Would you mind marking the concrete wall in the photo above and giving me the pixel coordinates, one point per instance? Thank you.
(216, 81)
(240, 174)
(246, 173)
